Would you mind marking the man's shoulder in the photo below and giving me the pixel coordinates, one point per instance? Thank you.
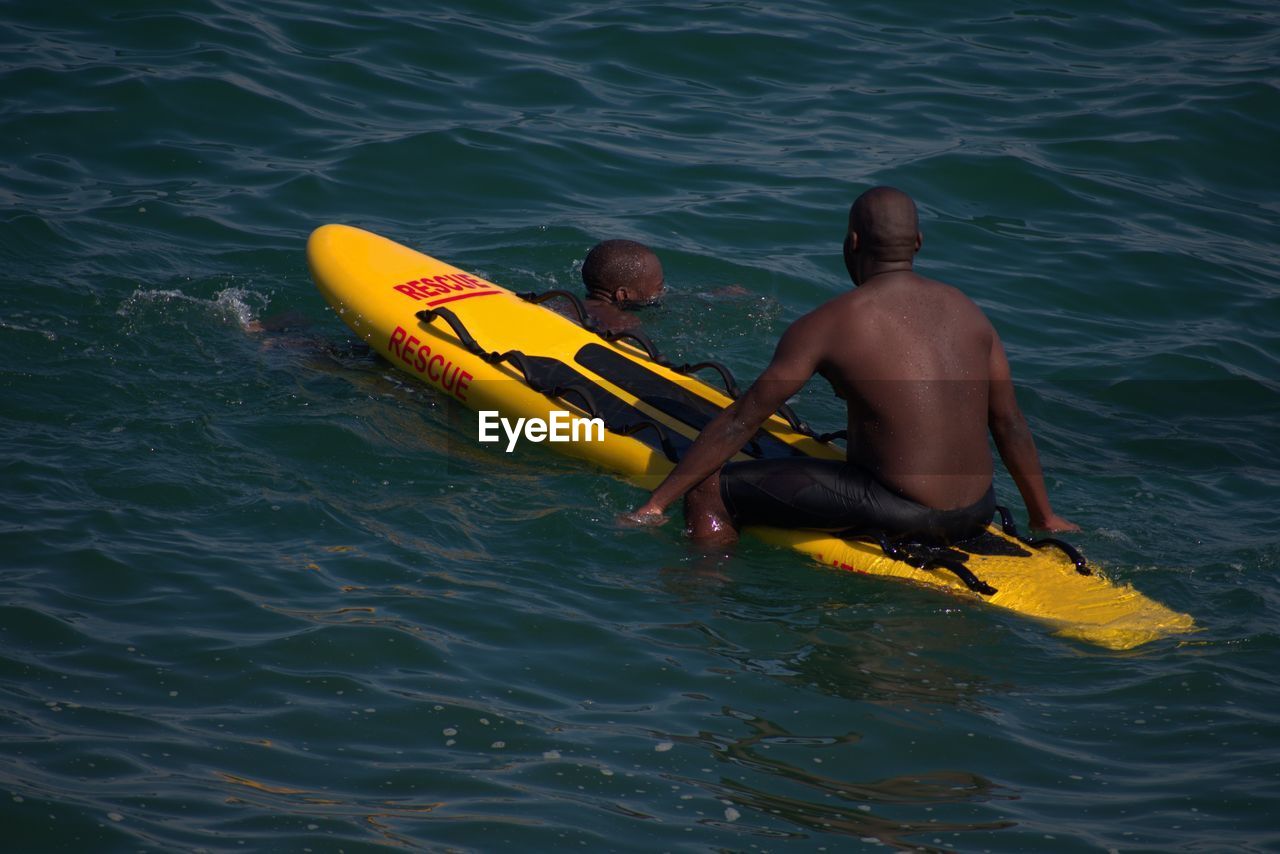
(608, 317)
(907, 290)
(839, 310)
(945, 293)
(933, 285)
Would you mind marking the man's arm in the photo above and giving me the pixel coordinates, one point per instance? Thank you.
(1016, 446)
(794, 361)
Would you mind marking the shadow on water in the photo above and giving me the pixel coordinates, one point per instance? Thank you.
(830, 805)
(851, 649)
(842, 653)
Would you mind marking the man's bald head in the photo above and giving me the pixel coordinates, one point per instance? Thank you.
(884, 228)
(623, 272)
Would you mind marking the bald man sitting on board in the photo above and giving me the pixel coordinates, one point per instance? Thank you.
(925, 378)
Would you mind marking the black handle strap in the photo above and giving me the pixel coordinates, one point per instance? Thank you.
(588, 401)
(1006, 521)
(726, 376)
(928, 558)
(645, 343)
(1082, 566)
(563, 390)
(668, 448)
(427, 315)
(1009, 527)
(789, 415)
(973, 582)
(922, 557)
(579, 307)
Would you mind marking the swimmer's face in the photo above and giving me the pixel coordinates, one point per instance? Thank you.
(646, 288)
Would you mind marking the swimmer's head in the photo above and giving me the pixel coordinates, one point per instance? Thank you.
(624, 273)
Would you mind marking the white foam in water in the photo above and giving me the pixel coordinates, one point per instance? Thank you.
(9, 326)
(235, 303)
(144, 298)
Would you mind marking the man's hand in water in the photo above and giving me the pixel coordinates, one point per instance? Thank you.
(1054, 524)
(644, 517)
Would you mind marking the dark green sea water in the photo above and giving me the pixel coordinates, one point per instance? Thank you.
(258, 592)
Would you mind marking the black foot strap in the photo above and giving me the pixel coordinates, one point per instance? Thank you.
(923, 557)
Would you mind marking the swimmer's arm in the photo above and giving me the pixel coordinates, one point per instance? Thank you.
(794, 361)
(1017, 447)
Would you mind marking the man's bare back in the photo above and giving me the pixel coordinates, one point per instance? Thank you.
(911, 358)
(925, 378)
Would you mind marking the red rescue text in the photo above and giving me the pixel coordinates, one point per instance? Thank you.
(438, 369)
(447, 287)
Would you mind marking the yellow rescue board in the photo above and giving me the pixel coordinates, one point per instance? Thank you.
(392, 297)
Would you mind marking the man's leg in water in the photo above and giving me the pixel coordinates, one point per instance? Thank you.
(705, 515)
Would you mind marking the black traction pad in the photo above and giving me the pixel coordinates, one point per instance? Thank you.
(549, 375)
(670, 398)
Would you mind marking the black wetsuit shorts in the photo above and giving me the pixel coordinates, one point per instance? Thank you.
(830, 495)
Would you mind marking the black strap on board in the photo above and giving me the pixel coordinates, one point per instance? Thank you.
(579, 307)
(1009, 527)
(555, 379)
(469, 344)
(923, 557)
